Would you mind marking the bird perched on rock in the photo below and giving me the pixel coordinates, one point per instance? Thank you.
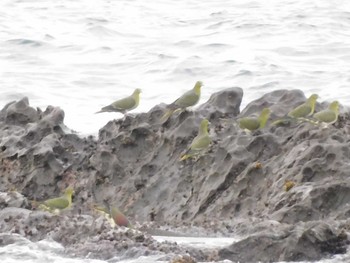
(119, 218)
(124, 105)
(328, 116)
(113, 215)
(58, 203)
(200, 143)
(254, 123)
(188, 99)
(305, 109)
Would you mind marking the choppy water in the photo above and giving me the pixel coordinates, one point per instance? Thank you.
(45, 251)
(50, 251)
(81, 55)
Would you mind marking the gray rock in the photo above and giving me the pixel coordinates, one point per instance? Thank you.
(236, 188)
(305, 241)
(12, 199)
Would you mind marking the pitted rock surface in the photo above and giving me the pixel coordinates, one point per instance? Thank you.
(134, 163)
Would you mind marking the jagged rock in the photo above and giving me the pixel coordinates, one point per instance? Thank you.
(305, 241)
(12, 199)
(19, 113)
(135, 164)
(224, 103)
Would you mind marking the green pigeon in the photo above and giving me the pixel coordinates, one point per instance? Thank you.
(124, 105)
(254, 123)
(200, 143)
(305, 109)
(119, 218)
(105, 212)
(58, 203)
(188, 99)
(329, 115)
(113, 215)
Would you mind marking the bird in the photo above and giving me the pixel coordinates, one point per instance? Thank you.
(113, 215)
(254, 123)
(119, 218)
(200, 143)
(188, 99)
(124, 105)
(105, 212)
(305, 109)
(329, 115)
(58, 203)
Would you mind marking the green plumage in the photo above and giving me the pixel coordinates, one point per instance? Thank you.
(330, 115)
(305, 109)
(254, 123)
(124, 105)
(188, 99)
(200, 143)
(113, 215)
(59, 203)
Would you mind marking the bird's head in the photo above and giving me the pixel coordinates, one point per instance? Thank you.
(197, 87)
(334, 106)
(313, 97)
(69, 191)
(137, 91)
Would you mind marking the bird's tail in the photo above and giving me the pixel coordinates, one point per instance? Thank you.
(38, 205)
(184, 157)
(282, 122)
(108, 108)
(167, 115)
(34, 204)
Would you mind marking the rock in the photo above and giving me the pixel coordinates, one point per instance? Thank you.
(183, 259)
(224, 103)
(236, 188)
(306, 241)
(12, 199)
(8, 239)
(20, 113)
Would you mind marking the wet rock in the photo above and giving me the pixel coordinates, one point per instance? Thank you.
(8, 239)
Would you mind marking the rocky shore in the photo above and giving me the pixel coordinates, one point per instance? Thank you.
(237, 189)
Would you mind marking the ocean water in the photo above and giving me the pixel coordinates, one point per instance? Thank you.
(50, 251)
(45, 251)
(82, 55)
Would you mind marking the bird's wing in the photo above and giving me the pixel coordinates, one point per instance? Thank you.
(200, 143)
(300, 111)
(326, 116)
(187, 99)
(124, 104)
(249, 123)
(57, 203)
